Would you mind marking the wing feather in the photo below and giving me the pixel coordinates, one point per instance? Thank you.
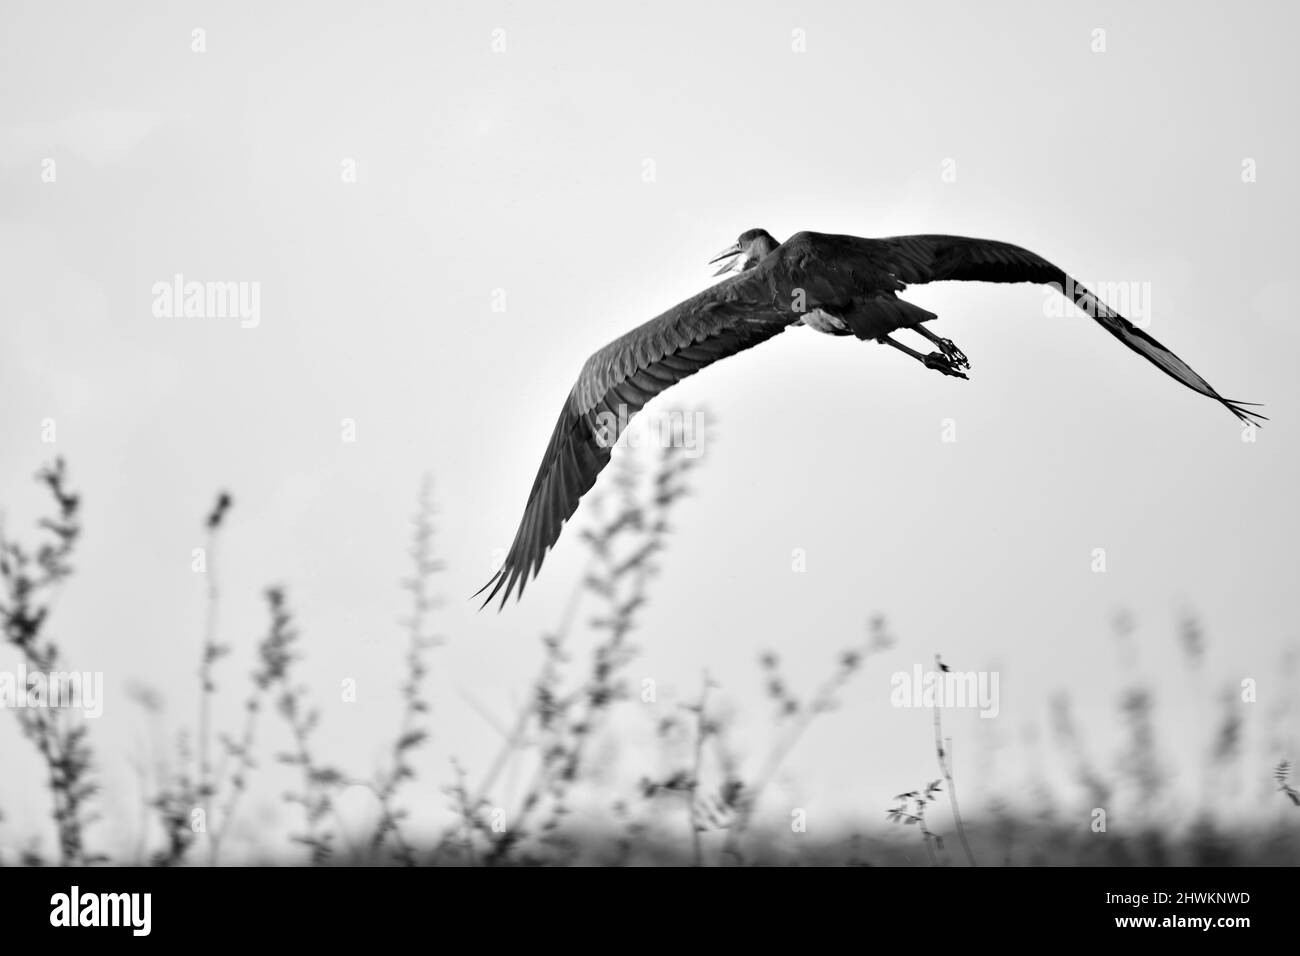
(614, 385)
(828, 271)
(920, 259)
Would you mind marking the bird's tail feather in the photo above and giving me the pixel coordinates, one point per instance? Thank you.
(871, 318)
(1153, 351)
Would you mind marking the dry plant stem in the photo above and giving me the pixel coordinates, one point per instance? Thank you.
(919, 800)
(589, 713)
(532, 798)
(945, 767)
(697, 850)
(512, 742)
(516, 736)
(565, 764)
(466, 812)
(356, 852)
(142, 778)
(410, 734)
(514, 739)
(62, 745)
(566, 769)
(207, 686)
(239, 783)
(562, 760)
(52, 737)
(274, 655)
(206, 792)
(313, 791)
(823, 700)
(928, 839)
(952, 798)
(405, 852)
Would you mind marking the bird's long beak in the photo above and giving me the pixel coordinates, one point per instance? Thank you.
(730, 252)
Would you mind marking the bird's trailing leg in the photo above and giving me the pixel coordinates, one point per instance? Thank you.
(947, 347)
(935, 360)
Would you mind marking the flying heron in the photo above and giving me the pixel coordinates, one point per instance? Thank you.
(838, 285)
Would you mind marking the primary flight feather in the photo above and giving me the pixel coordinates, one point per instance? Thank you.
(839, 285)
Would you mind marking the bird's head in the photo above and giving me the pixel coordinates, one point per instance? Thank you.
(746, 252)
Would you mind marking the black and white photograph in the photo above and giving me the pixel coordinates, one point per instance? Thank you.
(440, 436)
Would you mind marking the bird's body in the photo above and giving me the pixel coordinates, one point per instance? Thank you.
(837, 285)
(824, 322)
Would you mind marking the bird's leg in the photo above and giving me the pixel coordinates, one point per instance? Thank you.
(950, 351)
(935, 360)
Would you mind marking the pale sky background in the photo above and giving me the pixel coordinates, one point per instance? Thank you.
(523, 171)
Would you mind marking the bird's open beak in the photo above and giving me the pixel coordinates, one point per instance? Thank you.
(730, 252)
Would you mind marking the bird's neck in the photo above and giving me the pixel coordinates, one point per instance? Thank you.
(759, 249)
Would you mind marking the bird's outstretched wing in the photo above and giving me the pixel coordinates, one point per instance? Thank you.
(811, 269)
(616, 382)
(913, 260)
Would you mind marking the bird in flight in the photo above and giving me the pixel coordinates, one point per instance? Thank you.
(838, 285)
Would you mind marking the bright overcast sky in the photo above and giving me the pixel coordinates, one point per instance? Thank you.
(582, 176)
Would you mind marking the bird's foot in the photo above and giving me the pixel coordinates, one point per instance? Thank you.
(946, 364)
(953, 354)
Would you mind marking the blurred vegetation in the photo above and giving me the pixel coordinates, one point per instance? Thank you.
(697, 806)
